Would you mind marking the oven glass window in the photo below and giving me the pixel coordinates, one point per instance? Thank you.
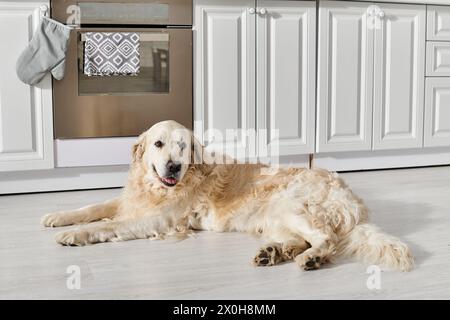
(152, 77)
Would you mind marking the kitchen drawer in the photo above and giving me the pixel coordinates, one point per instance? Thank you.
(438, 27)
(437, 112)
(438, 59)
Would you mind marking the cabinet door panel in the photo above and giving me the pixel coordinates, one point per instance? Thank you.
(26, 126)
(286, 76)
(438, 59)
(437, 112)
(399, 77)
(225, 74)
(438, 23)
(345, 72)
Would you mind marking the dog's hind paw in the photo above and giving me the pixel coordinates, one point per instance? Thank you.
(269, 255)
(309, 261)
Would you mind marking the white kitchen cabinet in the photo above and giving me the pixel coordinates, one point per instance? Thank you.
(224, 35)
(345, 77)
(438, 59)
(438, 23)
(255, 70)
(286, 41)
(399, 77)
(437, 112)
(371, 76)
(26, 126)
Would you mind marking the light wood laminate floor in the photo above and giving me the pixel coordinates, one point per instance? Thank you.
(413, 204)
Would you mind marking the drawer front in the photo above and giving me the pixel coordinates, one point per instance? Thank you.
(438, 59)
(438, 23)
(437, 112)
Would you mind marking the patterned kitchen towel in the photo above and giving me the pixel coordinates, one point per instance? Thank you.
(111, 53)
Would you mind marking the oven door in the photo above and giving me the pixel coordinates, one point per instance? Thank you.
(123, 12)
(118, 106)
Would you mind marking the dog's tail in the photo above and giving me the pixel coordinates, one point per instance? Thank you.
(367, 243)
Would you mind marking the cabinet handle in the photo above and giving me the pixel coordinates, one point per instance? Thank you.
(262, 11)
(44, 9)
(251, 10)
(375, 11)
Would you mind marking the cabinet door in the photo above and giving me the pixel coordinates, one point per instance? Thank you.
(26, 126)
(438, 59)
(345, 77)
(437, 112)
(286, 33)
(399, 77)
(224, 33)
(438, 20)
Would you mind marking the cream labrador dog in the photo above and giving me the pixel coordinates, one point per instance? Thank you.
(309, 216)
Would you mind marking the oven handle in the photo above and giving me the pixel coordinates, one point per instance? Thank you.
(144, 36)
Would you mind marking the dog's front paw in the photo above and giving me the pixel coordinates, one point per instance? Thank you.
(54, 220)
(73, 238)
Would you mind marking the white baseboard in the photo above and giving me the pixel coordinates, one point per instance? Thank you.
(369, 160)
(80, 178)
(63, 179)
(301, 161)
(93, 152)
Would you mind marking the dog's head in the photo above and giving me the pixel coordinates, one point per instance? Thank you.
(166, 151)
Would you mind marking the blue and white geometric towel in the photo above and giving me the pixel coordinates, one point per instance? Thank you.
(111, 53)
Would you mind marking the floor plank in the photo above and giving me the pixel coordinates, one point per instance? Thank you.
(412, 204)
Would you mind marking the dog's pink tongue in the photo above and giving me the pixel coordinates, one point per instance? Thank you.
(170, 180)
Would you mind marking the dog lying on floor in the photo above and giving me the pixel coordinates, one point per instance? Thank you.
(309, 216)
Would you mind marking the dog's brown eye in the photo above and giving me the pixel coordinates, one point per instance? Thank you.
(159, 144)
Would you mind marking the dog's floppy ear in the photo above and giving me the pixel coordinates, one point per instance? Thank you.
(196, 151)
(139, 148)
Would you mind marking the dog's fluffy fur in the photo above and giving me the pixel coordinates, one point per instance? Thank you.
(310, 216)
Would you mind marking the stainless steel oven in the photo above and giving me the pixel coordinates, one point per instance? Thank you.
(117, 106)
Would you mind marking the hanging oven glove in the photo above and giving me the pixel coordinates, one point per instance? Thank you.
(45, 53)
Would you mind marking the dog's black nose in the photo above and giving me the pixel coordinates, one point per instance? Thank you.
(173, 167)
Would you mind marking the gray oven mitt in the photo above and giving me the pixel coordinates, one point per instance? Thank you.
(45, 53)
